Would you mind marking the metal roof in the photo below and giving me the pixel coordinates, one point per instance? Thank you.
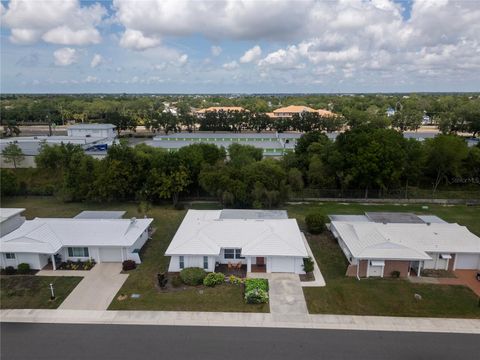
(91, 127)
(100, 215)
(203, 232)
(394, 217)
(253, 214)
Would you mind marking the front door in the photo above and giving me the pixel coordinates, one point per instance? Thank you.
(260, 261)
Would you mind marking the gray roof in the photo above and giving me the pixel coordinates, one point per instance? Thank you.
(100, 215)
(172, 144)
(91, 126)
(229, 135)
(394, 217)
(349, 218)
(253, 214)
(432, 219)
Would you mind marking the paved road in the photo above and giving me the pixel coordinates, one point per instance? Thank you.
(55, 341)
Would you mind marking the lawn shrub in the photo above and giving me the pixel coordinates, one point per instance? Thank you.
(395, 274)
(316, 222)
(256, 296)
(192, 276)
(128, 265)
(176, 281)
(252, 284)
(213, 279)
(10, 270)
(308, 265)
(23, 268)
(235, 280)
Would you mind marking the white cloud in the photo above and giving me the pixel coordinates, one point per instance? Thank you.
(251, 55)
(216, 50)
(63, 22)
(65, 56)
(91, 79)
(232, 65)
(134, 39)
(96, 60)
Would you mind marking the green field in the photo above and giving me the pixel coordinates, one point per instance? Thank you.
(341, 295)
(33, 292)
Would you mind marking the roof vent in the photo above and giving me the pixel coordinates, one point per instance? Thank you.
(428, 223)
(133, 220)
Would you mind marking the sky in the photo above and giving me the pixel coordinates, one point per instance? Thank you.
(239, 46)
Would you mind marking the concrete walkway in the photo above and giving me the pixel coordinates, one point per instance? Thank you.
(97, 289)
(319, 280)
(286, 296)
(179, 318)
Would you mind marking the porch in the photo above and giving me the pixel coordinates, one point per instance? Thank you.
(232, 269)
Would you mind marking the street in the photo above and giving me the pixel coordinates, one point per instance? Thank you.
(59, 341)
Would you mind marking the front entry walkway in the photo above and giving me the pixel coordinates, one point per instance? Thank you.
(286, 295)
(97, 289)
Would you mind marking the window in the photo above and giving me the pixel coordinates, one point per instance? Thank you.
(233, 254)
(78, 251)
(10, 255)
(205, 262)
(181, 260)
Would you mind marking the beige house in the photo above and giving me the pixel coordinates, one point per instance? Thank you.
(202, 112)
(289, 111)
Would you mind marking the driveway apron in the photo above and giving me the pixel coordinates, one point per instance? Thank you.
(286, 296)
(97, 289)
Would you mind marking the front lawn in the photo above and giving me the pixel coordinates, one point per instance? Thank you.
(387, 297)
(33, 292)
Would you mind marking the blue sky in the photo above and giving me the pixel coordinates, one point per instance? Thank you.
(251, 46)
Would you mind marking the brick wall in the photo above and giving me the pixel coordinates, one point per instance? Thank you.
(396, 265)
(352, 269)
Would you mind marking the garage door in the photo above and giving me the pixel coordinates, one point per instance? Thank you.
(282, 264)
(110, 254)
(467, 261)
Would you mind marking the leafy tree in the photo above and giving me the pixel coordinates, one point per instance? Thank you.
(9, 182)
(241, 155)
(295, 180)
(12, 153)
(407, 119)
(446, 154)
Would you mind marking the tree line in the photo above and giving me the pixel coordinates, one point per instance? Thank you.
(367, 157)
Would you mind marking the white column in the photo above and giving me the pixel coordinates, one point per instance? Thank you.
(121, 250)
(419, 268)
(368, 268)
(249, 264)
(53, 262)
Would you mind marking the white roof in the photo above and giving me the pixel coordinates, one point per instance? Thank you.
(370, 240)
(203, 232)
(49, 235)
(89, 214)
(91, 126)
(7, 213)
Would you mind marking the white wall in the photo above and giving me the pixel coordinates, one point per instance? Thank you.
(36, 261)
(436, 263)
(92, 132)
(191, 261)
(287, 264)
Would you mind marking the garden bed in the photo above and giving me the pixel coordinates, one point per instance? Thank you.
(76, 265)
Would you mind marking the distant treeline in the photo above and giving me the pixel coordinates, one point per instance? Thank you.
(367, 157)
(452, 113)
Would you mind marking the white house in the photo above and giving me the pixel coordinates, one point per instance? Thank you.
(60, 239)
(265, 241)
(10, 219)
(92, 130)
(377, 246)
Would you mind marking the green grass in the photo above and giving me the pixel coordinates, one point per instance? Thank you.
(387, 297)
(33, 292)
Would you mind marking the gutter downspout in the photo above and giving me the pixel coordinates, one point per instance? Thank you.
(358, 268)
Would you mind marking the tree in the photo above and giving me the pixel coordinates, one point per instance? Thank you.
(445, 155)
(295, 180)
(169, 185)
(12, 153)
(241, 155)
(407, 119)
(9, 182)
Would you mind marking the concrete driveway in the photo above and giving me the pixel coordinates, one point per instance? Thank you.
(286, 295)
(97, 289)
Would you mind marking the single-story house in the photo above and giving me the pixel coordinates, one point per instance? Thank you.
(43, 240)
(264, 241)
(376, 244)
(10, 219)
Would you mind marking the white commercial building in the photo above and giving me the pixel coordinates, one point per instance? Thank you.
(264, 241)
(40, 241)
(92, 130)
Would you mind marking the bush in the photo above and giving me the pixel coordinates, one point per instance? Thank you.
(213, 279)
(308, 265)
(232, 279)
(128, 265)
(176, 281)
(193, 276)
(256, 296)
(252, 284)
(395, 274)
(316, 223)
(23, 268)
(10, 270)
(179, 206)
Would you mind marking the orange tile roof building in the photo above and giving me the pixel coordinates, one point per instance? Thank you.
(289, 111)
(202, 112)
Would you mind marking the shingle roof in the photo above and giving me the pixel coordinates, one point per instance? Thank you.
(49, 235)
(202, 232)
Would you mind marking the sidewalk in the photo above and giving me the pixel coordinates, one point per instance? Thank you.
(179, 318)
